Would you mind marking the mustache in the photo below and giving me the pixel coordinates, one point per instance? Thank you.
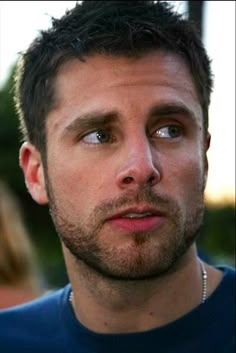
(144, 196)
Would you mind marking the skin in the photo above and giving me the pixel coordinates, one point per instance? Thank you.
(149, 156)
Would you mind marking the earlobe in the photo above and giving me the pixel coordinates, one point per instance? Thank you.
(31, 163)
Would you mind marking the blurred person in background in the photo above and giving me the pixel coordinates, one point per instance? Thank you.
(113, 103)
(19, 274)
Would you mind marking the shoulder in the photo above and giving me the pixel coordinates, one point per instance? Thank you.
(226, 289)
(222, 312)
(35, 320)
(221, 304)
(229, 275)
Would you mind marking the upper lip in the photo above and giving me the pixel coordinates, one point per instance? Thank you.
(138, 210)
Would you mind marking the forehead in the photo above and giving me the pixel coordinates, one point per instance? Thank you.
(155, 67)
(109, 82)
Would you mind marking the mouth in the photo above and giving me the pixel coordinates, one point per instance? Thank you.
(137, 220)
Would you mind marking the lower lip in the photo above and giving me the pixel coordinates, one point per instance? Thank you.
(138, 224)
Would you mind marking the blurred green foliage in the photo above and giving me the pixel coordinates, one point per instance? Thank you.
(217, 239)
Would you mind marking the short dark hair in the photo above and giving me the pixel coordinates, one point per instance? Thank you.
(121, 28)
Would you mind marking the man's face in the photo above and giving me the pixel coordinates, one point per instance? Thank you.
(126, 162)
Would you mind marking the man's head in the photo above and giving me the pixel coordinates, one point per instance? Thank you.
(116, 28)
(119, 149)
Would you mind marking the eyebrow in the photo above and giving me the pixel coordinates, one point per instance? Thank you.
(90, 120)
(168, 109)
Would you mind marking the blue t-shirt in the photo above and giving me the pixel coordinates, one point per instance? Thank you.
(49, 325)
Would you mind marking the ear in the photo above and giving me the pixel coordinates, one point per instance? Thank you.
(207, 141)
(206, 147)
(31, 163)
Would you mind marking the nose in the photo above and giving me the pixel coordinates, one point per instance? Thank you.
(139, 165)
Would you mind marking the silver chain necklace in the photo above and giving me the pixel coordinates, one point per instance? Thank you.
(204, 284)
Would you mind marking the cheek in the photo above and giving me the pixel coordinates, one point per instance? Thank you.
(79, 185)
(185, 176)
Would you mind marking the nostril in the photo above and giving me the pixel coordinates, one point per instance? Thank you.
(128, 180)
(152, 179)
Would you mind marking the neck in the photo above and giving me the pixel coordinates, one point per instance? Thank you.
(105, 305)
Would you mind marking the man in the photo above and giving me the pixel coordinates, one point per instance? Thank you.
(113, 102)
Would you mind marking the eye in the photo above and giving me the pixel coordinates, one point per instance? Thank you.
(169, 132)
(98, 137)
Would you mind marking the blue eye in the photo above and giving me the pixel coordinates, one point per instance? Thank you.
(98, 137)
(169, 132)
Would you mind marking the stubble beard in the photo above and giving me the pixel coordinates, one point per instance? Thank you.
(149, 255)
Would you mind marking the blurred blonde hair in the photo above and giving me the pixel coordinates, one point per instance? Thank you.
(17, 259)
